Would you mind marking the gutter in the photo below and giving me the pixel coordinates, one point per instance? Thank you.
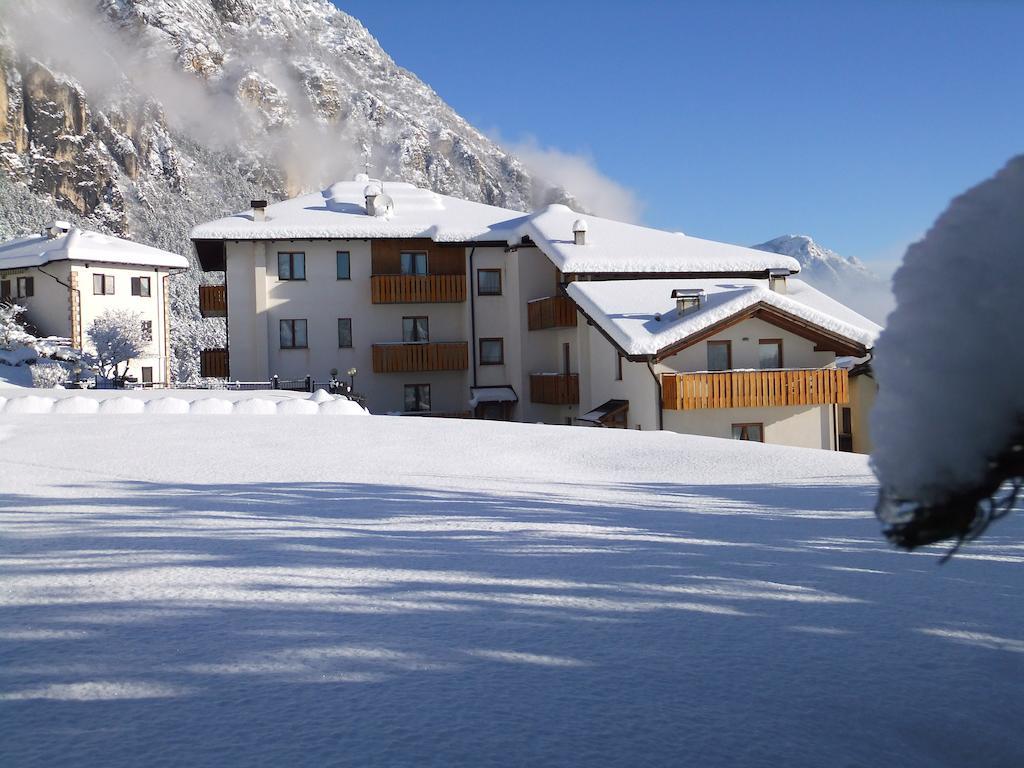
(472, 314)
(661, 404)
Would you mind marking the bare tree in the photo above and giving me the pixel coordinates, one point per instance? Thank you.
(118, 338)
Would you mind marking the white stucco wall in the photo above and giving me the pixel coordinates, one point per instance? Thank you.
(49, 309)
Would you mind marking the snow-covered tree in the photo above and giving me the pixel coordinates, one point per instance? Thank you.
(49, 374)
(12, 334)
(118, 338)
(948, 423)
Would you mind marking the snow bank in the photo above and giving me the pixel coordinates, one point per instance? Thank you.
(435, 592)
(196, 402)
(949, 364)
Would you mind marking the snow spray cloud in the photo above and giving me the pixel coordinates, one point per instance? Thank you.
(113, 66)
(598, 193)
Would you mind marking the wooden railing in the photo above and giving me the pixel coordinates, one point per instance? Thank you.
(422, 356)
(754, 389)
(213, 363)
(417, 289)
(552, 312)
(213, 300)
(555, 388)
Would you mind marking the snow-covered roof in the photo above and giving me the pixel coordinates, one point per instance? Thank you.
(492, 395)
(83, 245)
(626, 309)
(339, 212)
(614, 246)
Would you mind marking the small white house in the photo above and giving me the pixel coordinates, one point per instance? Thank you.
(65, 277)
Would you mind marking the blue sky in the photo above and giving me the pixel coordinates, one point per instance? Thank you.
(852, 122)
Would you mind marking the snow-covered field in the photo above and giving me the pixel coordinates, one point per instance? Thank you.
(239, 591)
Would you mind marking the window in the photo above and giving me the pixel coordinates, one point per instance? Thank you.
(344, 332)
(5, 290)
(417, 397)
(26, 287)
(719, 355)
(566, 358)
(293, 334)
(846, 430)
(140, 286)
(751, 432)
(492, 352)
(414, 263)
(291, 266)
(102, 284)
(488, 282)
(415, 329)
(147, 330)
(769, 352)
(147, 375)
(344, 265)
(618, 365)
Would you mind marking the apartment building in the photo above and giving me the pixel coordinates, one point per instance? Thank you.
(66, 277)
(449, 307)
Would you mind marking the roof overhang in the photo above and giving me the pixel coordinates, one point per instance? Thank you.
(824, 339)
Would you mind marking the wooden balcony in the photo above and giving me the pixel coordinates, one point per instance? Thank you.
(417, 289)
(213, 363)
(552, 312)
(555, 388)
(422, 356)
(213, 300)
(754, 389)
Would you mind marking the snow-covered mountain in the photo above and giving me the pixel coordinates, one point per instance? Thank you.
(142, 117)
(845, 278)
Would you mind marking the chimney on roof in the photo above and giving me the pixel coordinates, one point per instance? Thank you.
(579, 232)
(777, 279)
(56, 229)
(259, 210)
(688, 299)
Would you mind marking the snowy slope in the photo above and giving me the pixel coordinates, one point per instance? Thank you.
(845, 278)
(331, 592)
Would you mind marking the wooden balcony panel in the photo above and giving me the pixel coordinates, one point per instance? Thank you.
(213, 363)
(213, 300)
(417, 289)
(555, 388)
(432, 356)
(754, 389)
(552, 312)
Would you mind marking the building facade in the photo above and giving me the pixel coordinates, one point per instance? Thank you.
(67, 277)
(447, 307)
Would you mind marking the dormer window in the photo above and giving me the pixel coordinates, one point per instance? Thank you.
(688, 299)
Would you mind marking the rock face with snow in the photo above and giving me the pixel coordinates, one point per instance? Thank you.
(144, 117)
(845, 278)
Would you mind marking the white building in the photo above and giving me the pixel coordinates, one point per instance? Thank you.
(66, 277)
(450, 307)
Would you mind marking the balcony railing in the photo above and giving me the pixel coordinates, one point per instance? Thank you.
(417, 289)
(213, 363)
(552, 312)
(555, 388)
(754, 389)
(213, 300)
(421, 356)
